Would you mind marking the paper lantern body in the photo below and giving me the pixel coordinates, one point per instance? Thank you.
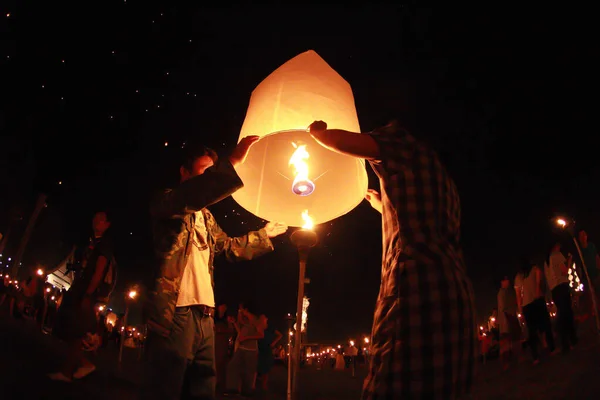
(299, 92)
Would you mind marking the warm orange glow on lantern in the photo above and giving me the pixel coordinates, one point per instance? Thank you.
(329, 184)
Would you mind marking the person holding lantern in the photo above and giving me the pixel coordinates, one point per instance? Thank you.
(180, 354)
(424, 335)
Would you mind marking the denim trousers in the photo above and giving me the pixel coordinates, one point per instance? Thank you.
(181, 365)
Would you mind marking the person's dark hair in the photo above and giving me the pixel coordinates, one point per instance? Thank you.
(192, 152)
(250, 307)
(549, 252)
(526, 266)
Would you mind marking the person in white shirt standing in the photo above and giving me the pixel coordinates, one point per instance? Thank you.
(556, 271)
(180, 354)
(510, 329)
(530, 299)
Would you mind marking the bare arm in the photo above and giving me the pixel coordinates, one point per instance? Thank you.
(348, 143)
(500, 301)
(278, 337)
(538, 283)
(519, 294)
(259, 335)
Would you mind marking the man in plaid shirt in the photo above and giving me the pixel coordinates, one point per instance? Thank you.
(424, 334)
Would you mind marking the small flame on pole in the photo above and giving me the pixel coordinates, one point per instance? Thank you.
(308, 222)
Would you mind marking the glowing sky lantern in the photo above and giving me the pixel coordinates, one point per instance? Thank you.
(287, 172)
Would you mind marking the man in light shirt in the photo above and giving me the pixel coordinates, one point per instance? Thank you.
(556, 270)
(180, 356)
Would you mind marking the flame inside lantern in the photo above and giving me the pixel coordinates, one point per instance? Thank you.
(308, 222)
(302, 185)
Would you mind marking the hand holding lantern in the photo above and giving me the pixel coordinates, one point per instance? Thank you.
(239, 154)
(275, 229)
(317, 126)
(374, 198)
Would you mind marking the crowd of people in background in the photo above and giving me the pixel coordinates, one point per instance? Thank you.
(31, 297)
(542, 301)
(193, 348)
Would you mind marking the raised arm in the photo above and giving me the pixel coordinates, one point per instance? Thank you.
(278, 337)
(389, 146)
(345, 142)
(198, 192)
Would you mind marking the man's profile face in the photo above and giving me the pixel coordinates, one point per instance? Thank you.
(582, 236)
(200, 165)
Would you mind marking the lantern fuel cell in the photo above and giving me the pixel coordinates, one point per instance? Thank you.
(282, 106)
(302, 185)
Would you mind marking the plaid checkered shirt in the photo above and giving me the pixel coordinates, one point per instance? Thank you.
(424, 335)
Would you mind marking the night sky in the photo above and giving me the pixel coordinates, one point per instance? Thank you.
(91, 96)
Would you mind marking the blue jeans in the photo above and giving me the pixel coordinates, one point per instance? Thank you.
(181, 365)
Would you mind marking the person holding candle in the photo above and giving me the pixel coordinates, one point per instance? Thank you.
(180, 354)
(424, 335)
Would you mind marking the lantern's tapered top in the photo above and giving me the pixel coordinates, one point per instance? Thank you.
(303, 90)
(287, 171)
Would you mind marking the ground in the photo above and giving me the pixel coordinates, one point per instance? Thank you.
(26, 355)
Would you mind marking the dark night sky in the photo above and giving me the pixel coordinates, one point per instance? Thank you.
(90, 96)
